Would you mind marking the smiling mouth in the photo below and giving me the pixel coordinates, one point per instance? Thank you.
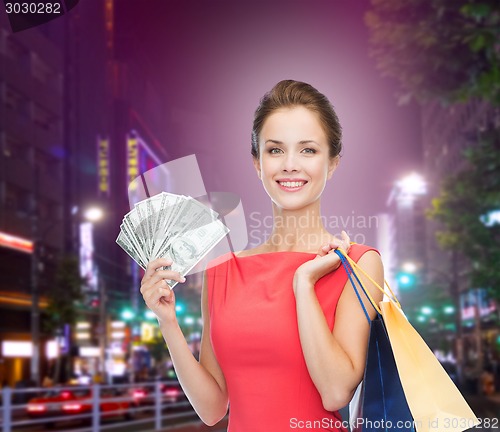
(292, 185)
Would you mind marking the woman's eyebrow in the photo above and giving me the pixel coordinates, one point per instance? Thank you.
(300, 142)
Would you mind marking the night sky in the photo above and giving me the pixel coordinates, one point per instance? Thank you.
(212, 61)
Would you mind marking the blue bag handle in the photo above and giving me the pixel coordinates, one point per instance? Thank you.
(350, 271)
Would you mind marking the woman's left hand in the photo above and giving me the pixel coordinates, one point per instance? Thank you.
(325, 262)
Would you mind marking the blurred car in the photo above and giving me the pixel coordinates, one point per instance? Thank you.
(70, 402)
(50, 403)
(145, 395)
(172, 392)
(112, 403)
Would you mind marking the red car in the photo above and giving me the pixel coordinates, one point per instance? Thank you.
(50, 403)
(79, 401)
(112, 403)
(170, 392)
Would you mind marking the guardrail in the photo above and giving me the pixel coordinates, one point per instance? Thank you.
(138, 404)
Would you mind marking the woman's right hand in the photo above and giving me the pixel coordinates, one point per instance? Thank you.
(157, 293)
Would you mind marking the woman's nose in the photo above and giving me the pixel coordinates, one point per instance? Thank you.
(290, 162)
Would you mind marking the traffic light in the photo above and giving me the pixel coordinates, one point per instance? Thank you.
(406, 280)
(127, 314)
(180, 308)
(149, 315)
(91, 300)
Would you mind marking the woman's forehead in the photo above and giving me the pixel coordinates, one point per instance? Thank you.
(292, 124)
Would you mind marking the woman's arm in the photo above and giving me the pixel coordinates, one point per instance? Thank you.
(336, 361)
(203, 382)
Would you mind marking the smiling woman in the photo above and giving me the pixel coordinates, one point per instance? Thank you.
(290, 163)
(284, 336)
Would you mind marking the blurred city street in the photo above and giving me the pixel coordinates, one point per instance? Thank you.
(486, 408)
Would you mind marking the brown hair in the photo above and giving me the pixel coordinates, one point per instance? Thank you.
(289, 94)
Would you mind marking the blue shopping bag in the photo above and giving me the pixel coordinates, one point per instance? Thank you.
(381, 404)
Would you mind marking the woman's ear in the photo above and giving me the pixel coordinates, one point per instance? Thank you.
(256, 164)
(332, 166)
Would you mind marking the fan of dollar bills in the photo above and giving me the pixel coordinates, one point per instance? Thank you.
(176, 227)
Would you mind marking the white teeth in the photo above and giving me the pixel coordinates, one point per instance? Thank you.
(292, 184)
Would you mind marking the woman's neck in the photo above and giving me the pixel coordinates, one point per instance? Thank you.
(297, 230)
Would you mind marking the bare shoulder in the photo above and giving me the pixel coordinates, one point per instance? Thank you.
(254, 251)
(373, 273)
(370, 258)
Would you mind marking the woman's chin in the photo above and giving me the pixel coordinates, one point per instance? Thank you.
(292, 205)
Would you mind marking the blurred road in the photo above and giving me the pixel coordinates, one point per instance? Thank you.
(487, 409)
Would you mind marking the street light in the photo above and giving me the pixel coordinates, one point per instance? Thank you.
(188, 320)
(127, 314)
(406, 280)
(448, 310)
(93, 214)
(426, 310)
(180, 308)
(409, 267)
(412, 185)
(149, 315)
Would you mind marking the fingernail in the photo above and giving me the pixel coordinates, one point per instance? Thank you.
(183, 279)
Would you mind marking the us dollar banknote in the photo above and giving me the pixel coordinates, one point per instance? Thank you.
(176, 227)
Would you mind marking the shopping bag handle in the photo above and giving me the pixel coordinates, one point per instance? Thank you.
(352, 264)
(350, 271)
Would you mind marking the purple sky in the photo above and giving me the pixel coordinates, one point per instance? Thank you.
(213, 60)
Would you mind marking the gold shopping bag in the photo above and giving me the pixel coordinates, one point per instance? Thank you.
(435, 402)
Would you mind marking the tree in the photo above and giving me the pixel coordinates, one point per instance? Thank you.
(440, 49)
(63, 298)
(449, 51)
(465, 201)
(432, 317)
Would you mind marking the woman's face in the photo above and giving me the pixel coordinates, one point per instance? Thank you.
(294, 162)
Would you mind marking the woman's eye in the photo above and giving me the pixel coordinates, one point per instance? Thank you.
(309, 150)
(274, 150)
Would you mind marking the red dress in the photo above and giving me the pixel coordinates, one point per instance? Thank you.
(254, 334)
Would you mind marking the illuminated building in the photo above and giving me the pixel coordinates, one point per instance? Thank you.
(31, 183)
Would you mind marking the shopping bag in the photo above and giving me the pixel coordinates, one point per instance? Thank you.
(435, 402)
(380, 404)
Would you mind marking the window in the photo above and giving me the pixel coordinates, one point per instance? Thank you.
(17, 199)
(17, 102)
(16, 150)
(44, 118)
(40, 70)
(16, 51)
(49, 209)
(48, 165)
